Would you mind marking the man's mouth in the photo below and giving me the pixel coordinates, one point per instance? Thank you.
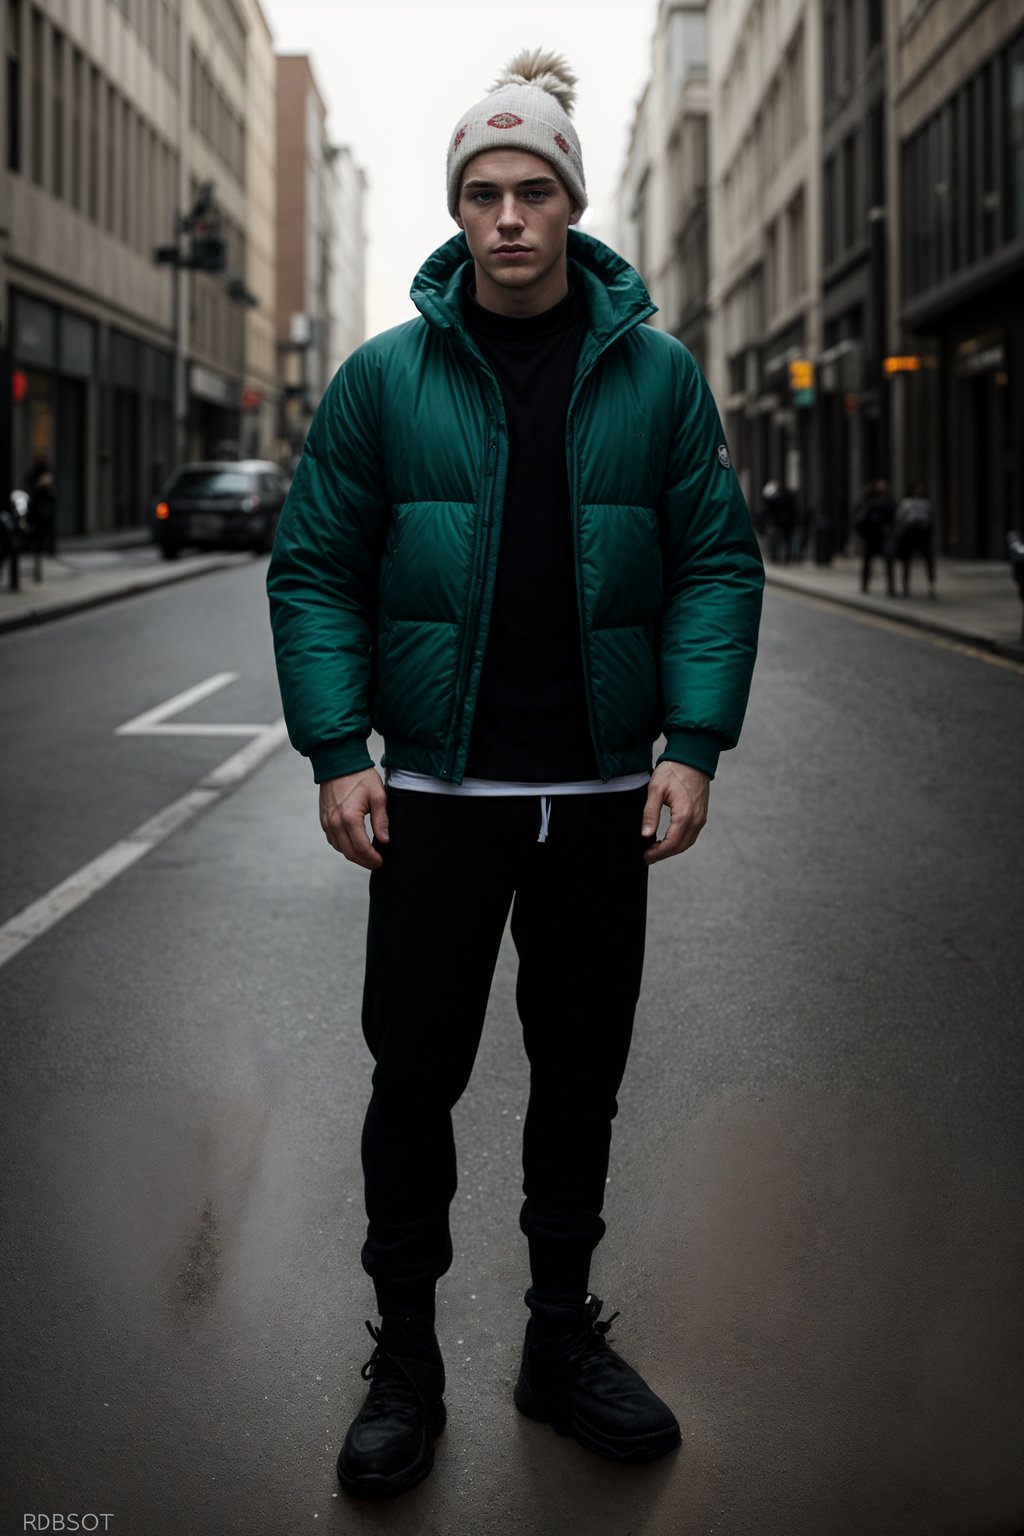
(511, 250)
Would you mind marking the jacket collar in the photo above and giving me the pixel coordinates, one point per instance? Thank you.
(613, 292)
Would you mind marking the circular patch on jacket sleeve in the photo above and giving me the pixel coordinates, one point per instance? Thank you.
(723, 456)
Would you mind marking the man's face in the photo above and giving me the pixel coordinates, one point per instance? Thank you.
(516, 213)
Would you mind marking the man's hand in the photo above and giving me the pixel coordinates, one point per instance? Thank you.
(344, 803)
(685, 791)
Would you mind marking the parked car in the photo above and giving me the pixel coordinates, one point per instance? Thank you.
(220, 505)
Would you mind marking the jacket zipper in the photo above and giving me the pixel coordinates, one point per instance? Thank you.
(570, 454)
(482, 539)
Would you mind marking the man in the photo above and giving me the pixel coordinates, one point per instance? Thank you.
(514, 545)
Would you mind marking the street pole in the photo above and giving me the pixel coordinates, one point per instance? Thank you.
(180, 383)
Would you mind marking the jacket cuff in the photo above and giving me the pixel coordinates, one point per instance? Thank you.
(697, 749)
(335, 758)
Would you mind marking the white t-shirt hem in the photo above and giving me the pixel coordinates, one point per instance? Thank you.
(402, 778)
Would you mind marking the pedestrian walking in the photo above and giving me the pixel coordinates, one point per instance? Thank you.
(873, 521)
(914, 522)
(42, 494)
(781, 521)
(514, 545)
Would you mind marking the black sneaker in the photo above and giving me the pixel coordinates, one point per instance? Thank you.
(389, 1447)
(573, 1380)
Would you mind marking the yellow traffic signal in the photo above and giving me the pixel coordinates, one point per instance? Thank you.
(801, 374)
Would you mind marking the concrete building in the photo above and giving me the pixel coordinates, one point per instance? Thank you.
(957, 289)
(853, 389)
(346, 283)
(765, 298)
(217, 158)
(121, 117)
(321, 248)
(90, 174)
(662, 226)
(261, 392)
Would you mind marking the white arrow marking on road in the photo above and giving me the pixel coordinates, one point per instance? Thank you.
(151, 723)
(34, 920)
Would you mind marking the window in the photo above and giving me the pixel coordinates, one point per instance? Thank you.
(127, 200)
(57, 114)
(795, 240)
(830, 210)
(93, 200)
(1015, 139)
(77, 70)
(849, 191)
(37, 97)
(14, 85)
(111, 158)
(874, 23)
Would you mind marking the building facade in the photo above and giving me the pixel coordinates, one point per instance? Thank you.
(853, 408)
(321, 247)
(957, 329)
(91, 170)
(261, 387)
(662, 204)
(121, 120)
(346, 282)
(765, 295)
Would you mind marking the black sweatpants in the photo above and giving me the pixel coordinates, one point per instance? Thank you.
(438, 906)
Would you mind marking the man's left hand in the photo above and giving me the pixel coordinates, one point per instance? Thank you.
(685, 791)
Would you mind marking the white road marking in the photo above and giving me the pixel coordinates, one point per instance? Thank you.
(34, 920)
(152, 721)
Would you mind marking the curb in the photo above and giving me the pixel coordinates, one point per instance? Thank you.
(1011, 650)
(134, 586)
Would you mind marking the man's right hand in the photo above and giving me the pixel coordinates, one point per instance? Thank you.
(344, 805)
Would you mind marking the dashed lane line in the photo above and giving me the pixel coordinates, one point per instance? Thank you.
(36, 919)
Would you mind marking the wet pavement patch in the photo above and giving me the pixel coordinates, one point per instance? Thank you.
(199, 1273)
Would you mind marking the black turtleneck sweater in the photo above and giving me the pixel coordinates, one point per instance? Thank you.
(531, 723)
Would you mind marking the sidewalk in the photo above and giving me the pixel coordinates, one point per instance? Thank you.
(977, 600)
(90, 572)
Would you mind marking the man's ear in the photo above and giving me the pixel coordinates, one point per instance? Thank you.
(458, 219)
(575, 215)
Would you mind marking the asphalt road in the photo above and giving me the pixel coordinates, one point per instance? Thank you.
(814, 1209)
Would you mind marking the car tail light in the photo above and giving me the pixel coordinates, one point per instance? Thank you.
(163, 511)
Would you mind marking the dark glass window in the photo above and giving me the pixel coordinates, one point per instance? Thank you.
(14, 85)
(849, 191)
(77, 67)
(93, 206)
(830, 210)
(874, 23)
(213, 482)
(37, 97)
(57, 114)
(1015, 139)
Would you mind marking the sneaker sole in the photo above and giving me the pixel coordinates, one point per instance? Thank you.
(634, 1448)
(377, 1485)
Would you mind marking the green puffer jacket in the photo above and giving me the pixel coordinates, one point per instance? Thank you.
(384, 563)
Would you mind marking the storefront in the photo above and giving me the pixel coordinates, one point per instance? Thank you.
(96, 403)
(53, 354)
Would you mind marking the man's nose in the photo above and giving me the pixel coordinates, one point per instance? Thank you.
(509, 216)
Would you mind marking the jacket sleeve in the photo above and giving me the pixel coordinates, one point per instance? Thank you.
(323, 575)
(714, 578)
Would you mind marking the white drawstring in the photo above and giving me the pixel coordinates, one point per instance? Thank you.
(545, 818)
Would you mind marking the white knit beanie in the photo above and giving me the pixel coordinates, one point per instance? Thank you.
(527, 108)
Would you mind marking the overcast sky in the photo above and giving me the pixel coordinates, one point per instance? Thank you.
(396, 74)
